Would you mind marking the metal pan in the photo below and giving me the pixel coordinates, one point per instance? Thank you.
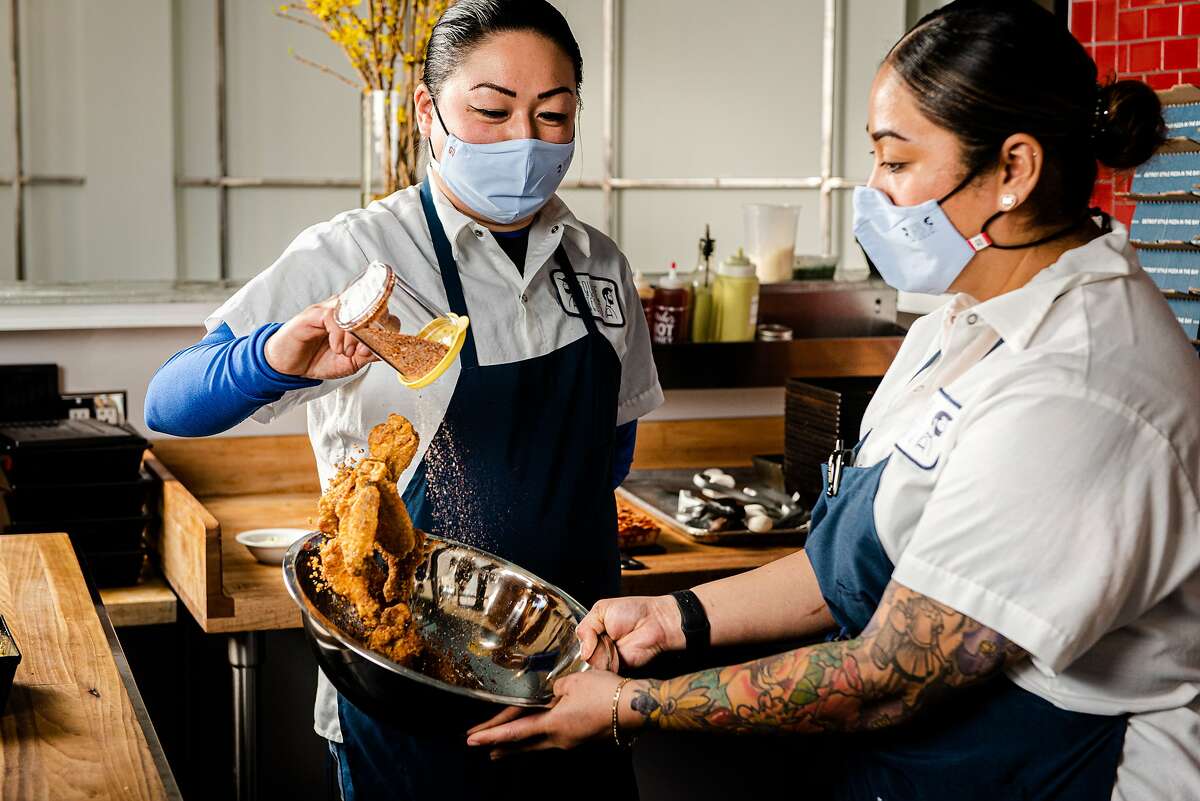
(495, 636)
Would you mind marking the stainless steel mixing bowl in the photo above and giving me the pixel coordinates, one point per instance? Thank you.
(494, 635)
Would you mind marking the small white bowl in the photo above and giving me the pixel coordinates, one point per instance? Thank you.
(268, 545)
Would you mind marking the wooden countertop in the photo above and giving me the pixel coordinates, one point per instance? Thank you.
(213, 489)
(75, 727)
(261, 600)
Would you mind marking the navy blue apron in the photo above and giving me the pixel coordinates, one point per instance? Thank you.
(995, 741)
(534, 446)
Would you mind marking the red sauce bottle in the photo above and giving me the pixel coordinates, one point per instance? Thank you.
(672, 300)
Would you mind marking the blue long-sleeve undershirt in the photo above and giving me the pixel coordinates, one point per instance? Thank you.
(215, 384)
(220, 381)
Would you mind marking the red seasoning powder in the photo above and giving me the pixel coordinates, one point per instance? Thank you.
(412, 356)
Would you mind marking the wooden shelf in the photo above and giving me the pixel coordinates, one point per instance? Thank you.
(1180, 196)
(1178, 244)
(148, 603)
(1178, 144)
(1179, 95)
(770, 364)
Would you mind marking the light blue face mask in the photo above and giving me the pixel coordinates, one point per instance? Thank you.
(503, 181)
(915, 248)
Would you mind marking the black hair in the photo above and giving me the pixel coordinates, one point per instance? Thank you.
(988, 69)
(466, 23)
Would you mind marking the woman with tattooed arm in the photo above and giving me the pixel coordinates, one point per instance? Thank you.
(1002, 588)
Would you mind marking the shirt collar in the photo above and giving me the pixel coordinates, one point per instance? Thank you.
(1017, 315)
(554, 213)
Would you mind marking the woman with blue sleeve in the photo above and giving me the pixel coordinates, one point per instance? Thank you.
(1002, 580)
(525, 437)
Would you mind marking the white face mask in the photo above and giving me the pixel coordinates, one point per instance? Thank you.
(915, 248)
(503, 181)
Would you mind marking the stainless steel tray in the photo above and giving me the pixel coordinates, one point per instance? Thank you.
(656, 492)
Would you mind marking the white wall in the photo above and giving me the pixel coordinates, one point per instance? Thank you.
(122, 91)
(96, 79)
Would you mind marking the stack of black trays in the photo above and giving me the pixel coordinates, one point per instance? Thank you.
(83, 477)
(817, 413)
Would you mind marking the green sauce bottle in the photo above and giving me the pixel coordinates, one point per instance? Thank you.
(735, 300)
(702, 300)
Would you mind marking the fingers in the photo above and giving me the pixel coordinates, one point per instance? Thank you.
(590, 629)
(540, 744)
(524, 728)
(504, 716)
(610, 658)
(587, 643)
(361, 357)
(341, 341)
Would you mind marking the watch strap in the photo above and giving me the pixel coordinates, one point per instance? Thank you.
(694, 621)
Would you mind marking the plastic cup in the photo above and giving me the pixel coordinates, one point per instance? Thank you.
(771, 239)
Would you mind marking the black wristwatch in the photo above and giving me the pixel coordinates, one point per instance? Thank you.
(694, 621)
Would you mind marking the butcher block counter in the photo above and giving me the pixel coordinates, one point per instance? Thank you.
(214, 488)
(75, 726)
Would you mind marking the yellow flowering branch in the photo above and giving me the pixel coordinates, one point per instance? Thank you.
(384, 41)
(321, 67)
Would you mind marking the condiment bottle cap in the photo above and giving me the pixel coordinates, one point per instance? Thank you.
(671, 280)
(737, 266)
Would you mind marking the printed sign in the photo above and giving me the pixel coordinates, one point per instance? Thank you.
(924, 441)
(603, 297)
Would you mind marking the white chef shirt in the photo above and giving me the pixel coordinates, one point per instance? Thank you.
(1049, 490)
(514, 317)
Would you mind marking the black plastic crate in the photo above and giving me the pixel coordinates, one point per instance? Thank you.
(36, 502)
(30, 392)
(70, 452)
(88, 536)
(9, 659)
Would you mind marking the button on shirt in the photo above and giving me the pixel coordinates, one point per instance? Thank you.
(1049, 489)
(514, 317)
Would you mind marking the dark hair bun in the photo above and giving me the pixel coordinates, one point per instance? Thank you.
(1133, 127)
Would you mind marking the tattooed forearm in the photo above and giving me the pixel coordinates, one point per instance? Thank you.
(912, 648)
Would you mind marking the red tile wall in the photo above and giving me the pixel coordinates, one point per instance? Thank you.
(1155, 41)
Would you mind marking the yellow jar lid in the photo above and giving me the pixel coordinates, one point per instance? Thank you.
(450, 331)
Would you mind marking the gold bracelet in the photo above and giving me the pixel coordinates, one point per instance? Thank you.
(616, 703)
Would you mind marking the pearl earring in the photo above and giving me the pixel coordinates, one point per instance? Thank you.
(1007, 201)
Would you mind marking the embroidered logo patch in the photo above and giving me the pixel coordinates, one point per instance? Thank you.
(923, 442)
(602, 295)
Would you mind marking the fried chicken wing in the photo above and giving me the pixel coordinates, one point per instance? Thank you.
(373, 548)
(394, 442)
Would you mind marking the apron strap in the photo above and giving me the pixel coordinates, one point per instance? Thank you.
(576, 289)
(936, 355)
(449, 270)
(925, 366)
(453, 283)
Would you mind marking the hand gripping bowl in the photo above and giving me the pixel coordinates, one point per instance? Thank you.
(495, 636)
